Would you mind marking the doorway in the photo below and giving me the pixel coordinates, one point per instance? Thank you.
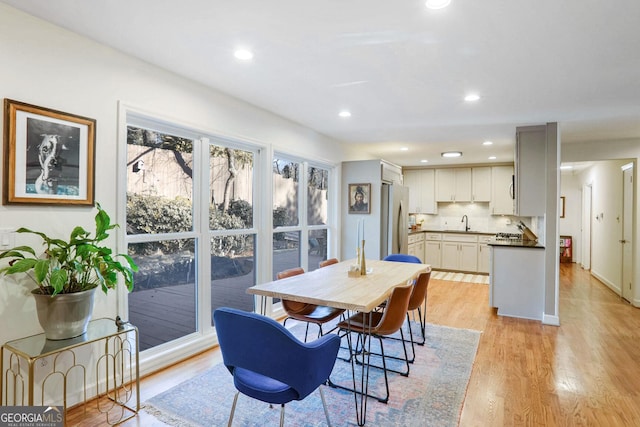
(627, 232)
(586, 227)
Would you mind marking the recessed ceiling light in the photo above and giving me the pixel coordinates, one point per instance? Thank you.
(450, 154)
(404, 149)
(424, 161)
(243, 54)
(492, 157)
(437, 4)
(344, 113)
(487, 143)
(472, 97)
(566, 167)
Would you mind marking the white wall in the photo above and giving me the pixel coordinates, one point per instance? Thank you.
(628, 149)
(50, 67)
(571, 224)
(367, 171)
(605, 178)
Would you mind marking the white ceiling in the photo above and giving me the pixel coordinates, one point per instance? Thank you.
(401, 69)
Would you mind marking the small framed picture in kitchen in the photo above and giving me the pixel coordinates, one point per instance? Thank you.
(49, 156)
(359, 198)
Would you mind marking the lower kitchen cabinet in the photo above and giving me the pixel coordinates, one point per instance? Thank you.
(460, 252)
(466, 252)
(416, 245)
(432, 253)
(484, 254)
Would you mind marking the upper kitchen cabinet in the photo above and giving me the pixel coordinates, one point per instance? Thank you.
(421, 183)
(391, 173)
(501, 190)
(481, 184)
(453, 185)
(530, 171)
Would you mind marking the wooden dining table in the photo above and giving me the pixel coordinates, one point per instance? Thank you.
(333, 286)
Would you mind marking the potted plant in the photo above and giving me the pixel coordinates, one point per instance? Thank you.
(68, 273)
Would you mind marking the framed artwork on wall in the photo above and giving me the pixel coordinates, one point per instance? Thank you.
(359, 198)
(561, 207)
(49, 156)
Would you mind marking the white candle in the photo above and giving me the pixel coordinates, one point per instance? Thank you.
(363, 229)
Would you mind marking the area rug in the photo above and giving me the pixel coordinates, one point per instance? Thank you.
(432, 394)
(460, 277)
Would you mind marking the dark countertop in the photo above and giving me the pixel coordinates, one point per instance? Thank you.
(425, 230)
(516, 243)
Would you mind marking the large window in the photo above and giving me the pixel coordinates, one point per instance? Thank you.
(203, 226)
(233, 239)
(300, 234)
(160, 224)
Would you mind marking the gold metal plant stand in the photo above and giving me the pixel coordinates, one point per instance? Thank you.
(116, 369)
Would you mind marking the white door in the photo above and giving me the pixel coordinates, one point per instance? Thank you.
(586, 227)
(627, 237)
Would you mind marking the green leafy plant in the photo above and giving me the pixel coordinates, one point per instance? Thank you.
(79, 264)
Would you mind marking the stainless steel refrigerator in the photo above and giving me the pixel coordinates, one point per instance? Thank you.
(394, 219)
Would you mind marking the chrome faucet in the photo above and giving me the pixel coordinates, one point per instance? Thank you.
(465, 219)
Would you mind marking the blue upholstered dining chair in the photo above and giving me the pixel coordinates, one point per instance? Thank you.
(268, 363)
(402, 258)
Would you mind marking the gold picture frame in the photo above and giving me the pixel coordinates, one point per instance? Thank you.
(359, 201)
(49, 156)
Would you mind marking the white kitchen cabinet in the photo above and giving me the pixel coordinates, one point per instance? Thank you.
(416, 245)
(453, 185)
(410, 178)
(484, 254)
(460, 252)
(433, 249)
(421, 183)
(501, 190)
(530, 171)
(481, 184)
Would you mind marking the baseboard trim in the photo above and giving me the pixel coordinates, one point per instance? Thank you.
(548, 319)
(607, 283)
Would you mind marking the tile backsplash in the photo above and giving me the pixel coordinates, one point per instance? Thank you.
(449, 217)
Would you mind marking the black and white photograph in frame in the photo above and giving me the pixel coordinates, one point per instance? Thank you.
(50, 156)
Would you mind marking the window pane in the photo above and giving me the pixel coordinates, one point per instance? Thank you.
(230, 188)
(317, 184)
(232, 271)
(285, 192)
(159, 182)
(317, 248)
(286, 251)
(163, 302)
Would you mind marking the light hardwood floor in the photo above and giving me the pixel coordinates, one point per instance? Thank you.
(584, 373)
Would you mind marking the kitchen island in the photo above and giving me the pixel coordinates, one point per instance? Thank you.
(516, 286)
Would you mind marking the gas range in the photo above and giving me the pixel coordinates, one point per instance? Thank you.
(508, 236)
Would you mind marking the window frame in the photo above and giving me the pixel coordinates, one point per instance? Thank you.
(262, 228)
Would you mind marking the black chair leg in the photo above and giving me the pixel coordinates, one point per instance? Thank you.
(354, 354)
